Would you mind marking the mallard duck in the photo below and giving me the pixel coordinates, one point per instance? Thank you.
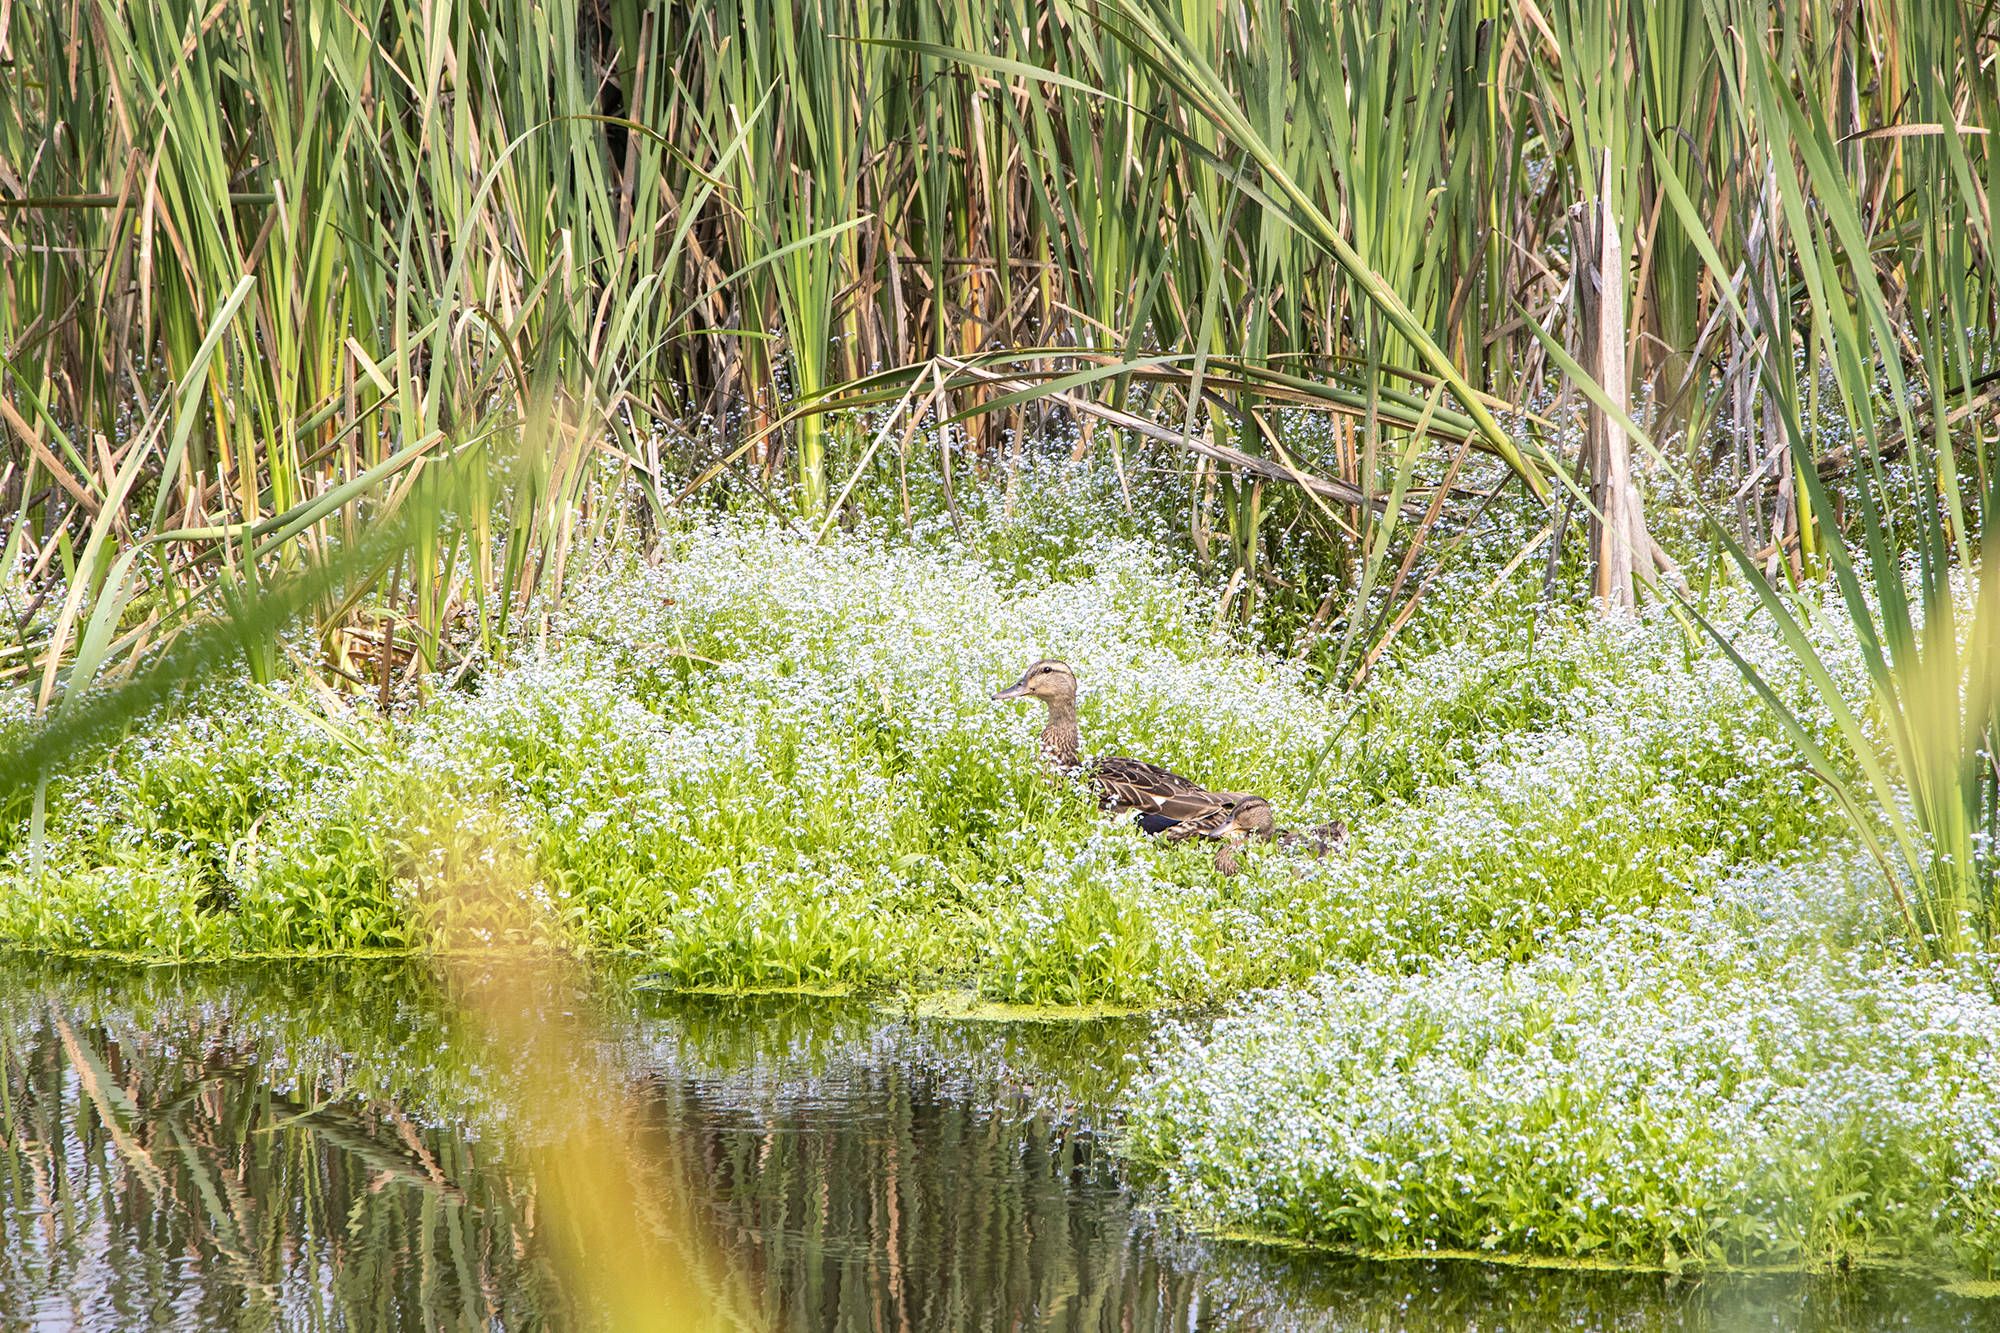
(1163, 799)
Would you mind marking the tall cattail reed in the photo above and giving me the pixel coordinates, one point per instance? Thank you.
(263, 263)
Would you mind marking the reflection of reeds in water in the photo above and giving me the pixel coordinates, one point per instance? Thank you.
(620, 1223)
(620, 1218)
(880, 1202)
(185, 1179)
(192, 1168)
(498, 1145)
(332, 1147)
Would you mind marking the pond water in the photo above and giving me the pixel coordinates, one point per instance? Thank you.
(363, 1145)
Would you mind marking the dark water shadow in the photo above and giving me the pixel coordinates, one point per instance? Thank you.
(321, 1147)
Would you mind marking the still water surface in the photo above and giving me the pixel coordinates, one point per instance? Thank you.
(333, 1146)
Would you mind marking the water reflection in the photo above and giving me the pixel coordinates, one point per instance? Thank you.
(174, 1161)
(930, 1176)
(327, 1146)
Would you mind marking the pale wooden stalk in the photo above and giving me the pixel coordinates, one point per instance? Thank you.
(1776, 451)
(1621, 550)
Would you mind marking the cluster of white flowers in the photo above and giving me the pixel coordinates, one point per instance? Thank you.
(1731, 1080)
(1594, 973)
(779, 762)
(762, 729)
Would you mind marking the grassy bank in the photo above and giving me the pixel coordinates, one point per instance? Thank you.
(1745, 1080)
(1603, 972)
(758, 762)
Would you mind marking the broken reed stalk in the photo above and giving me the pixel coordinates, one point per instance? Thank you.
(1620, 548)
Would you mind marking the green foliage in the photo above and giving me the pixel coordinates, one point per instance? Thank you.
(1393, 760)
(763, 764)
(342, 246)
(1915, 768)
(654, 233)
(1723, 1083)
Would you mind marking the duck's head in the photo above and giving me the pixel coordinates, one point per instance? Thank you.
(1253, 818)
(1048, 680)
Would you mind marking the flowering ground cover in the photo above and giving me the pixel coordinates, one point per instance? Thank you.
(757, 762)
(1749, 1079)
(1599, 974)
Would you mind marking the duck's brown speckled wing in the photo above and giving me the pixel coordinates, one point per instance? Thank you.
(1133, 784)
(1168, 802)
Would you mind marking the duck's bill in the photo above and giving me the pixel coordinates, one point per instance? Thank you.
(1015, 691)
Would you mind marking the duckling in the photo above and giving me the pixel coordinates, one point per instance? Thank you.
(1319, 840)
(1163, 799)
(1232, 822)
(1253, 819)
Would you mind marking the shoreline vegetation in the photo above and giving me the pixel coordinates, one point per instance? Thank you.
(573, 477)
(742, 742)
(1592, 898)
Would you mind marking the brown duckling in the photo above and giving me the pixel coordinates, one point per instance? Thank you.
(1253, 820)
(1242, 817)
